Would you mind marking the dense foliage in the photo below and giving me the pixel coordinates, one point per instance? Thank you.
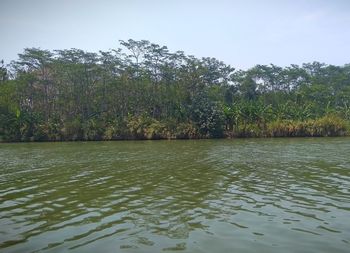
(143, 91)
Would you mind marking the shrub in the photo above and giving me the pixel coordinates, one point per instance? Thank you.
(186, 131)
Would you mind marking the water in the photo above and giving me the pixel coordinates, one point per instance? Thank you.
(252, 195)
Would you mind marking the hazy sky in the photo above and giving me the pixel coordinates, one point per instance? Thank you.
(241, 33)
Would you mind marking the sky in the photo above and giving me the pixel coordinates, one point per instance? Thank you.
(241, 33)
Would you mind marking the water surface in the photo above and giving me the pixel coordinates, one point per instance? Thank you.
(251, 195)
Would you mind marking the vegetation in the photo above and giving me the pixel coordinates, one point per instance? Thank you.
(143, 91)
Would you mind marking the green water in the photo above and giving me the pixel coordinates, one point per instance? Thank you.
(252, 195)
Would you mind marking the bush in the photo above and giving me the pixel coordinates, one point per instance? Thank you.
(72, 130)
(249, 130)
(186, 131)
(155, 130)
(329, 125)
(144, 127)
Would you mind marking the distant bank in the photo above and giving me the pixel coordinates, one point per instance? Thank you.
(324, 127)
(144, 91)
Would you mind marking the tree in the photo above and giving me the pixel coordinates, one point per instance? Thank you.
(3, 72)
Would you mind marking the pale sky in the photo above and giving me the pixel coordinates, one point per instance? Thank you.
(242, 33)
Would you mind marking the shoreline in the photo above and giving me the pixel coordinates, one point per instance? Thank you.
(177, 139)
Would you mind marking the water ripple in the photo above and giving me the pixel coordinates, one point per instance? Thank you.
(191, 196)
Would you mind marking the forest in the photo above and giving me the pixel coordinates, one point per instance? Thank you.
(144, 91)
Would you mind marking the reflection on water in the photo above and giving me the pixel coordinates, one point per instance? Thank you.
(272, 195)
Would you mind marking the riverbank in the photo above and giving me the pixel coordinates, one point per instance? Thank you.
(140, 129)
(72, 95)
(322, 127)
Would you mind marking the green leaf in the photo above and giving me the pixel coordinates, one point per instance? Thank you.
(18, 113)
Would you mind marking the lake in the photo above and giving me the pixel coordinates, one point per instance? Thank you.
(242, 195)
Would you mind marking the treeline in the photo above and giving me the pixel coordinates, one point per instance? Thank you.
(143, 91)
